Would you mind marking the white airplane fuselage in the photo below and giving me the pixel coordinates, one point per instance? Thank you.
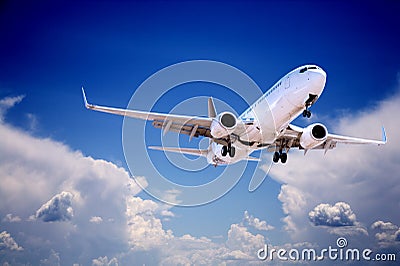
(271, 114)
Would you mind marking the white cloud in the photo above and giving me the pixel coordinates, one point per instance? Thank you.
(293, 203)
(295, 200)
(145, 229)
(339, 214)
(9, 218)
(237, 255)
(239, 238)
(96, 219)
(57, 208)
(384, 225)
(387, 233)
(356, 230)
(250, 220)
(7, 103)
(33, 170)
(52, 260)
(7, 242)
(103, 261)
(363, 176)
(397, 235)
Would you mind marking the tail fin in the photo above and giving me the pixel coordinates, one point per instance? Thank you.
(211, 108)
(211, 113)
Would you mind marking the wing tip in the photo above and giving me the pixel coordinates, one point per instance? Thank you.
(87, 105)
(84, 98)
(384, 138)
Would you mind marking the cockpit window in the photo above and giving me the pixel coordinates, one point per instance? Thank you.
(304, 69)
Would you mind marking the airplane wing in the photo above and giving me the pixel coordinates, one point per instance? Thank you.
(291, 136)
(353, 140)
(189, 125)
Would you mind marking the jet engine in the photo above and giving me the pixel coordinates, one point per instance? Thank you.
(223, 125)
(313, 135)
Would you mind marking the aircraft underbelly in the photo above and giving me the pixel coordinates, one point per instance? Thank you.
(283, 113)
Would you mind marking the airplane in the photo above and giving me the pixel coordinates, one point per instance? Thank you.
(266, 124)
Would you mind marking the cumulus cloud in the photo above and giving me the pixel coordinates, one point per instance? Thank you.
(96, 219)
(363, 176)
(33, 170)
(384, 225)
(7, 242)
(104, 261)
(9, 218)
(397, 235)
(250, 220)
(57, 208)
(339, 214)
(239, 238)
(145, 229)
(387, 233)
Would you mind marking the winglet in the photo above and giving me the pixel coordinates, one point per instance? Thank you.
(384, 139)
(87, 105)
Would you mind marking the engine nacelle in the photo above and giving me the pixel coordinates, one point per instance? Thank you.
(223, 125)
(313, 135)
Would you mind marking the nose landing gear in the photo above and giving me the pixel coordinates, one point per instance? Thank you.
(307, 113)
(310, 101)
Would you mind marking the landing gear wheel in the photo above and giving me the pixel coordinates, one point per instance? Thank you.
(231, 151)
(283, 157)
(307, 113)
(224, 151)
(276, 157)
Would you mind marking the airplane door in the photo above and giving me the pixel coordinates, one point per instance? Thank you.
(287, 82)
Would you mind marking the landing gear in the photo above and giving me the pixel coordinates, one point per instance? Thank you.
(279, 155)
(231, 151)
(310, 101)
(307, 113)
(283, 157)
(276, 157)
(224, 151)
(228, 150)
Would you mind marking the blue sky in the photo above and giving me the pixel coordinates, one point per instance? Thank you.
(49, 50)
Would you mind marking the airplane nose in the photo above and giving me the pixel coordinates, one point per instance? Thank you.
(318, 78)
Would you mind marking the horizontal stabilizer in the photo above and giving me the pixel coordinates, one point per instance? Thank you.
(189, 151)
(253, 159)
